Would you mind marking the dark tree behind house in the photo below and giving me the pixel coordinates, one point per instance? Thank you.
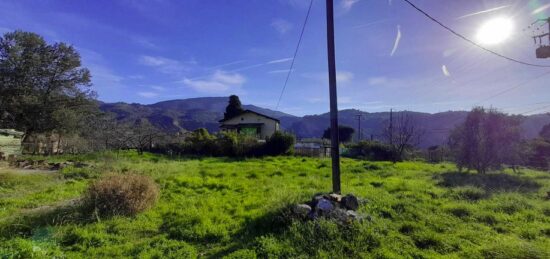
(345, 133)
(234, 108)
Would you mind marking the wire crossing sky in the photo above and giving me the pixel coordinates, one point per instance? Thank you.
(388, 56)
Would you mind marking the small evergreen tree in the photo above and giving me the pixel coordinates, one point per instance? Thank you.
(345, 133)
(234, 107)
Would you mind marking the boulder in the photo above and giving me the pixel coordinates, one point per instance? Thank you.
(335, 197)
(302, 210)
(324, 205)
(350, 202)
(352, 214)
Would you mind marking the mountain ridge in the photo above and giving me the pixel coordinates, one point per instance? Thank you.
(204, 112)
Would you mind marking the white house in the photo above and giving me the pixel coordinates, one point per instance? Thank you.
(251, 123)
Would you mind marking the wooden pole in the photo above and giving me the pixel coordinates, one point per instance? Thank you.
(334, 141)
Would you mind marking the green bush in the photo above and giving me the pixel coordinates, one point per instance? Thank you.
(231, 144)
(125, 195)
(279, 143)
(370, 150)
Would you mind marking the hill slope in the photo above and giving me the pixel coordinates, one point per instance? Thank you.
(190, 114)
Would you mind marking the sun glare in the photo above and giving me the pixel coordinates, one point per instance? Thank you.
(495, 31)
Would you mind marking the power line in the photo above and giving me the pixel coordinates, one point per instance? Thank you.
(470, 41)
(534, 110)
(295, 53)
(514, 87)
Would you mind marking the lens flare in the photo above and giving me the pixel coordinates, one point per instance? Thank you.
(495, 31)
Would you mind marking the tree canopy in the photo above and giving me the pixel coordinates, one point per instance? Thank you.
(345, 133)
(43, 87)
(545, 132)
(234, 108)
(486, 140)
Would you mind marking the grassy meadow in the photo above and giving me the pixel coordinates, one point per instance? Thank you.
(221, 207)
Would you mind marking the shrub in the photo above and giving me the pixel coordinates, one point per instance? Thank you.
(370, 150)
(279, 143)
(121, 195)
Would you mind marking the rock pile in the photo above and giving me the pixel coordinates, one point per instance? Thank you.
(330, 206)
(43, 165)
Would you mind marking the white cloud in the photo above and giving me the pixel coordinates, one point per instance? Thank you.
(279, 71)
(484, 11)
(163, 65)
(135, 77)
(348, 4)
(377, 80)
(281, 26)
(344, 77)
(397, 40)
(282, 60)
(148, 94)
(445, 70)
(220, 81)
(144, 42)
(158, 88)
(541, 9)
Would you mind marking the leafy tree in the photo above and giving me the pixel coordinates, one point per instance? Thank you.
(539, 150)
(42, 86)
(545, 133)
(345, 133)
(279, 143)
(486, 140)
(234, 108)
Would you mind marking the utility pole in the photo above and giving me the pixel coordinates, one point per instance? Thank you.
(391, 127)
(543, 51)
(334, 141)
(358, 127)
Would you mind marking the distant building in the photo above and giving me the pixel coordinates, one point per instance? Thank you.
(251, 123)
(312, 147)
(10, 143)
(42, 144)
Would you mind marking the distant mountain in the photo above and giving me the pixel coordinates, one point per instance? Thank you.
(185, 114)
(190, 114)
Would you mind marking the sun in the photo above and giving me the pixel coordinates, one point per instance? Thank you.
(495, 31)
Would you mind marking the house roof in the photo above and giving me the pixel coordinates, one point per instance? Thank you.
(250, 111)
(11, 132)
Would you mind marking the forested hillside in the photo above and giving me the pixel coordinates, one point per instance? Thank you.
(190, 114)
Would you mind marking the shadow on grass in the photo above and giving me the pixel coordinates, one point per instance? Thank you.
(490, 182)
(26, 222)
(272, 223)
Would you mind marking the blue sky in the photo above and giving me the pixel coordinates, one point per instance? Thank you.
(152, 50)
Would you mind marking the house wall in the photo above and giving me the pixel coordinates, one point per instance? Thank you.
(268, 128)
(10, 145)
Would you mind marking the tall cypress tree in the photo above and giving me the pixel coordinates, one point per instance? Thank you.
(234, 107)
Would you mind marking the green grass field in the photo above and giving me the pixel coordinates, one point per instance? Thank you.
(216, 207)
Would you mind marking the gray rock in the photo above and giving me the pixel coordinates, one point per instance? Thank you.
(352, 214)
(335, 197)
(302, 209)
(324, 205)
(339, 215)
(350, 202)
